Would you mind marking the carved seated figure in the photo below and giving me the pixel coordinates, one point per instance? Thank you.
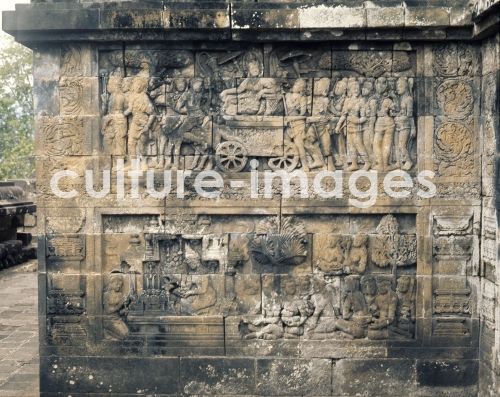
(355, 313)
(386, 303)
(254, 96)
(268, 326)
(116, 304)
(295, 311)
(358, 257)
(325, 301)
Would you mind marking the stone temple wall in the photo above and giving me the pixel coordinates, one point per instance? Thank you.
(247, 294)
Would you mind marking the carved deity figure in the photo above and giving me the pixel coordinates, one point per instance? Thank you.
(141, 111)
(405, 124)
(351, 123)
(370, 113)
(116, 304)
(386, 304)
(358, 256)
(254, 96)
(321, 119)
(384, 126)
(355, 313)
(296, 107)
(268, 326)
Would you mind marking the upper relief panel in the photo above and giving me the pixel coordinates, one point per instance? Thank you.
(288, 106)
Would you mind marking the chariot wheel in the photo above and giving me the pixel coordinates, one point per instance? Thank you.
(231, 156)
(288, 162)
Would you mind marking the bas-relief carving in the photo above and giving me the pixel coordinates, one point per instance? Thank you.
(160, 112)
(63, 136)
(346, 293)
(455, 59)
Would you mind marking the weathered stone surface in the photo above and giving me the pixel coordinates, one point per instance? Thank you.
(270, 288)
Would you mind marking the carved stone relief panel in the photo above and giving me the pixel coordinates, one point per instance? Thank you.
(270, 277)
(286, 106)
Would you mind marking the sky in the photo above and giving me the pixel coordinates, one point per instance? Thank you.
(9, 5)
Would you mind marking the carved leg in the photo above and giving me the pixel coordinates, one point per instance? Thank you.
(387, 144)
(377, 150)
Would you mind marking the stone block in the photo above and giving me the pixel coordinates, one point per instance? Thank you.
(105, 375)
(385, 17)
(217, 376)
(444, 373)
(373, 376)
(286, 377)
(427, 16)
(332, 17)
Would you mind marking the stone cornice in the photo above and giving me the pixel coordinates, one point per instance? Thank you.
(130, 21)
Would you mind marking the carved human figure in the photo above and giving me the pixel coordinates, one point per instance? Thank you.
(369, 289)
(254, 95)
(296, 107)
(323, 300)
(116, 304)
(351, 123)
(269, 326)
(141, 110)
(192, 124)
(358, 256)
(202, 294)
(295, 311)
(336, 251)
(370, 113)
(114, 123)
(384, 126)
(406, 303)
(355, 313)
(386, 303)
(321, 118)
(405, 123)
(336, 105)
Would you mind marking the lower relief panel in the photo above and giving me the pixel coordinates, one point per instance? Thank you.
(328, 286)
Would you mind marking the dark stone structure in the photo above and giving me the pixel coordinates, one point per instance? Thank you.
(270, 295)
(15, 245)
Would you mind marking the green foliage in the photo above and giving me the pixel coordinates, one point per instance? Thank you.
(16, 111)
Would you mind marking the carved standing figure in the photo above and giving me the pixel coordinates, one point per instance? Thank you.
(350, 124)
(384, 126)
(335, 107)
(405, 124)
(141, 110)
(296, 106)
(370, 113)
(321, 119)
(114, 123)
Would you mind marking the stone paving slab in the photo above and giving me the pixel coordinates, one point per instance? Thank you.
(19, 364)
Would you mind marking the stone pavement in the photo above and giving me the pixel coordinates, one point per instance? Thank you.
(18, 332)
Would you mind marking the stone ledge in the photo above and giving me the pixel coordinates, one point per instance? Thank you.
(237, 16)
